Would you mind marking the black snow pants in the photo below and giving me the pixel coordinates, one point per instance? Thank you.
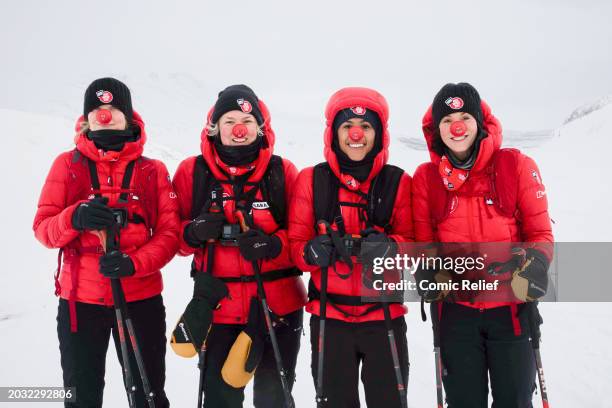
(83, 354)
(347, 345)
(267, 390)
(482, 346)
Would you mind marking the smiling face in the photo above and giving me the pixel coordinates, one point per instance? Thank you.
(117, 122)
(460, 144)
(356, 149)
(226, 126)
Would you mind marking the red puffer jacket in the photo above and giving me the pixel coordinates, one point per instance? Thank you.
(284, 295)
(471, 219)
(150, 244)
(301, 219)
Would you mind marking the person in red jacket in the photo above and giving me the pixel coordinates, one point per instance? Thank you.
(474, 192)
(338, 191)
(72, 210)
(237, 183)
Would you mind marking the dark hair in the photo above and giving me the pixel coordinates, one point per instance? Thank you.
(437, 145)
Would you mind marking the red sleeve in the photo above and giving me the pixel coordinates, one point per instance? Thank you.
(423, 227)
(183, 186)
(301, 219)
(533, 207)
(53, 219)
(402, 227)
(162, 246)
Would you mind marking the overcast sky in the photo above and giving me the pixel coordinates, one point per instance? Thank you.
(534, 61)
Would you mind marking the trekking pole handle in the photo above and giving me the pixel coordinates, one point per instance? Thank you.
(323, 227)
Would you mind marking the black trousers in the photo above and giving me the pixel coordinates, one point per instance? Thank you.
(478, 346)
(83, 354)
(267, 390)
(347, 345)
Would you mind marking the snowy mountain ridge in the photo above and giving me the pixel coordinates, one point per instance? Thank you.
(588, 108)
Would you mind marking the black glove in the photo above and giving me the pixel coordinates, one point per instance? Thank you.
(318, 251)
(116, 264)
(206, 226)
(93, 215)
(255, 244)
(376, 244)
(530, 281)
(423, 278)
(197, 318)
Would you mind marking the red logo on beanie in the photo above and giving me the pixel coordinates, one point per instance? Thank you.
(245, 105)
(104, 96)
(359, 110)
(454, 103)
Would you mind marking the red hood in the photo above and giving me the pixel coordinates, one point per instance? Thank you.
(488, 146)
(131, 150)
(349, 97)
(210, 154)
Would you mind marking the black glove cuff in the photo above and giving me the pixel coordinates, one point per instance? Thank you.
(276, 246)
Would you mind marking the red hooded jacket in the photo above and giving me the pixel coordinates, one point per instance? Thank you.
(471, 219)
(301, 219)
(149, 246)
(284, 295)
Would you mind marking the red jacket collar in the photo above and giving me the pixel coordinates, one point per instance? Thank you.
(210, 155)
(346, 98)
(131, 150)
(488, 146)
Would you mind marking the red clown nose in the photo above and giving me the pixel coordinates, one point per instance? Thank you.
(104, 116)
(240, 130)
(458, 128)
(355, 133)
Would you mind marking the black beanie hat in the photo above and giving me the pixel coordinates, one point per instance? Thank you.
(237, 97)
(108, 91)
(357, 112)
(461, 97)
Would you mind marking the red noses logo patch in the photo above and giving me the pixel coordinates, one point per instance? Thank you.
(359, 110)
(454, 103)
(104, 96)
(245, 106)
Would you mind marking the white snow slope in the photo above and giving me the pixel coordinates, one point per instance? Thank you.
(576, 337)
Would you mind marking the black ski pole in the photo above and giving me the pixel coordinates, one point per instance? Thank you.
(122, 316)
(534, 325)
(321, 399)
(403, 392)
(435, 325)
(214, 206)
(271, 332)
(201, 367)
(202, 351)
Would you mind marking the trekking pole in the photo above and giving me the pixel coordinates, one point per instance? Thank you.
(111, 242)
(264, 304)
(215, 206)
(535, 343)
(403, 392)
(435, 325)
(201, 367)
(324, 228)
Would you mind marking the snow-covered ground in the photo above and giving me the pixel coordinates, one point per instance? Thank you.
(575, 336)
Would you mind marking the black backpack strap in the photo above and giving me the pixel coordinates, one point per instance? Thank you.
(93, 177)
(269, 276)
(202, 182)
(382, 194)
(272, 188)
(125, 184)
(325, 193)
